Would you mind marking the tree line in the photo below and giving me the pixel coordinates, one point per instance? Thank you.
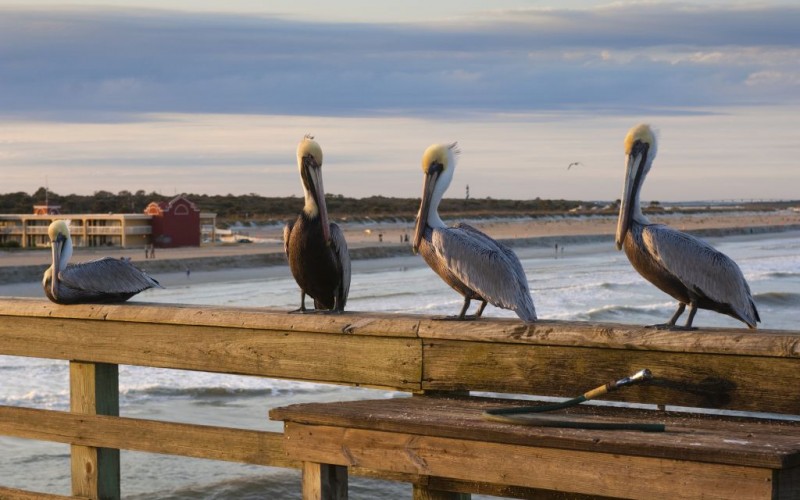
(253, 207)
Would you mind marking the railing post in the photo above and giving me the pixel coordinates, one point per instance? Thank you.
(94, 390)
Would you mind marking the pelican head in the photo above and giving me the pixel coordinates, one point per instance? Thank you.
(640, 149)
(438, 165)
(309, 161)
(61, 248)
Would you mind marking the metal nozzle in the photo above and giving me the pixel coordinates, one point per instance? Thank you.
(640, 376)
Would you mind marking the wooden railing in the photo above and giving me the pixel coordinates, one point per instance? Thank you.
(713, 368)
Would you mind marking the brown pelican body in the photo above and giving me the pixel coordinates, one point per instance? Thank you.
(98, 281)
(472, 263)
(316, 249)
(690, 270)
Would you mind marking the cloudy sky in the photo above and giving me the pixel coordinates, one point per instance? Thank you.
(200, 96)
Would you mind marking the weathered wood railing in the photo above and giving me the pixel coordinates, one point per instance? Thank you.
(714, 368)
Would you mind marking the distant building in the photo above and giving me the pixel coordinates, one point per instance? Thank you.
(168, 224)
(175, 223)
(47, 209)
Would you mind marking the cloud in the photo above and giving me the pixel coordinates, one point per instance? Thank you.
(78, 63)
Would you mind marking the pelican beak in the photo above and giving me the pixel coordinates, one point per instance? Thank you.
(312, 175)
(428, 185)
(56, 248)
(633, 178)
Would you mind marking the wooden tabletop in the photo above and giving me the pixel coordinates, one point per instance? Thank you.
(704, 438)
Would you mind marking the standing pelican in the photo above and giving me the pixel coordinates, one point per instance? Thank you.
(103, 280)
(316, 249)
(688, 269)
(472, 263)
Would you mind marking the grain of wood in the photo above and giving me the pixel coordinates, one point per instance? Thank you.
(561, 470)
(94, 390)
(360, 360)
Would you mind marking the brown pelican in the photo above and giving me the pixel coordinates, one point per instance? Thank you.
(472, 263)
(316, 249)
(688, 269)
(103, 280)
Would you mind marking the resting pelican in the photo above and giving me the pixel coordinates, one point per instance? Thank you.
(103, 280)
(688, 269)
(472, 263)
(316, 249)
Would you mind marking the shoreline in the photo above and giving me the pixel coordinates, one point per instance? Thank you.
(19, 267)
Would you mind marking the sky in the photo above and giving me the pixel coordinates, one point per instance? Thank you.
(212, 97)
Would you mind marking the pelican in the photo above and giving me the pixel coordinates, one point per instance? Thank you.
(103, 280)
(688, 269)
(472, 263)
(316, 249)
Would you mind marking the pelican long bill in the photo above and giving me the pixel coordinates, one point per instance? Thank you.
(428, 185)
(629, 196)
(314, 177)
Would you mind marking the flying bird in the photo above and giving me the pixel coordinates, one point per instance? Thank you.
(472, 263)
(316, 249)
(574, 164)
(686, 268)
(104, 280)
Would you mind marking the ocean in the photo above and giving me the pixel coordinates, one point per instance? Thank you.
(591, 282)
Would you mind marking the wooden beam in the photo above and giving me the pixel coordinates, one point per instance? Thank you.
(587, 473)
(190, 440)
(376, 361)
(16, 494)
(94, 390)
(692, 379)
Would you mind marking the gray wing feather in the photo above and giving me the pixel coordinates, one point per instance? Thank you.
(489, 268)
(700, 267)
(339, 246)
(108, 275)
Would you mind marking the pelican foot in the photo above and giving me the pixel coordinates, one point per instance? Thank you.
(329, 311)
(455, 318)
(667, 326)
(299, 310)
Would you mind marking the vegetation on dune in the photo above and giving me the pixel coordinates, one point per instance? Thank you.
(261, 209)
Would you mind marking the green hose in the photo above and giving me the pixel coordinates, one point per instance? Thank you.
(507, 415)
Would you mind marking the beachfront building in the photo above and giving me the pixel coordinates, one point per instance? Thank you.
(169, 224)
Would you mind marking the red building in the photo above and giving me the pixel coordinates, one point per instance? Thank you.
(176, 223)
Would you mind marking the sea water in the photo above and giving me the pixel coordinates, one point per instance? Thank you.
(578, 282)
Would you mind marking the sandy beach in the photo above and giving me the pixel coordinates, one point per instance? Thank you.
(387, 239)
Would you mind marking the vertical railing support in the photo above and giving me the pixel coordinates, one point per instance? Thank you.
(94, 390)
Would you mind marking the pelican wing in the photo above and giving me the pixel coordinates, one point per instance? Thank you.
(107, 275)
(339, 247)
(486, 266)
(702, 268)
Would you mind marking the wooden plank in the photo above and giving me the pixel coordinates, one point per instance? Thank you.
(373, 324)
(94, 390)
(739, 341)
(189, 440)
(324, 481)
(16, 494)
(551, 469)
(360, 360)
(772, 343)
(748, 442)
(683, 379)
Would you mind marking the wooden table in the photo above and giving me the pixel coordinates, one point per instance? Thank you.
(698, 456)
